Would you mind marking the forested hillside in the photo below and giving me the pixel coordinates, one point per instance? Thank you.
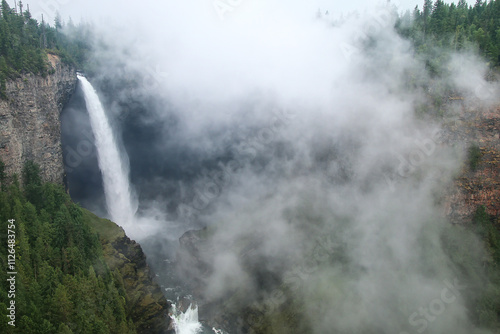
(63, 284)
(433, 28)
(25, 42)
(454, 27)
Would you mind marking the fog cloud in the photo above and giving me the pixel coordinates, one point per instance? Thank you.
(319, 183)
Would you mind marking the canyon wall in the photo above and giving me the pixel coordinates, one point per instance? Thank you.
(30, 127)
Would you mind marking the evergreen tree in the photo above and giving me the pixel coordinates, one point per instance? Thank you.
(24, 44)
(56, 282)
(426, 15)
(455, 27)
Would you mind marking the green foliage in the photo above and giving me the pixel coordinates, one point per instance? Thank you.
(58, 288)
(475, 252)
(489, 232)
(32, 183)
(455, 27)
(2, 173)
(24, 44)
(474, 156)
(487, 311)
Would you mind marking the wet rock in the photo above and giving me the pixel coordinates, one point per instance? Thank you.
(30, 127)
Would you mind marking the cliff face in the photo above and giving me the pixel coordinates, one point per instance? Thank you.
(146, 304)
(30, 127)
(479, 185)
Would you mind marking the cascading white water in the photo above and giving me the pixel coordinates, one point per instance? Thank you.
(121, 208)
(117, 190)
(187, 322)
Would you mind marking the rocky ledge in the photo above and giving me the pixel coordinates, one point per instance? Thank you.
(146, 304)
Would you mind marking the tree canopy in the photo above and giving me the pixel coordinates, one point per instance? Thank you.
(24, 44)
(63, 284)
(455, 26)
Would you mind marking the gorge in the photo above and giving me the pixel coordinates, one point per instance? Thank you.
(337, 181)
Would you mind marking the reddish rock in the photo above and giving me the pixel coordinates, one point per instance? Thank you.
(480, 186)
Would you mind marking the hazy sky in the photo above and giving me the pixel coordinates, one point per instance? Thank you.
(92, 9)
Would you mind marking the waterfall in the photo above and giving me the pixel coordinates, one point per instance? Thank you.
(121, 208)
(114, 170)
(187, 322)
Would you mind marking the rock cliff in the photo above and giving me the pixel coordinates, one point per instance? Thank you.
(146, 304)
(477, 127)
(30, 127)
